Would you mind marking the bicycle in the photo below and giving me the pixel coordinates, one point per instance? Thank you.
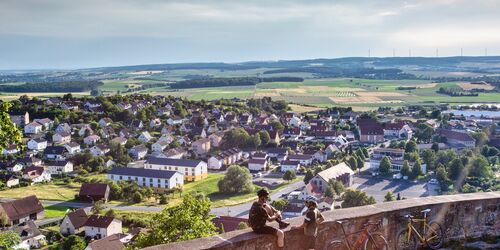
(432, 234)
(368, 239)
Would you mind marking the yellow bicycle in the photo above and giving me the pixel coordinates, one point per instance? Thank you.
(431, 234)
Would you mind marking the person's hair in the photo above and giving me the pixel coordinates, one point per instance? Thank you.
(262, 193)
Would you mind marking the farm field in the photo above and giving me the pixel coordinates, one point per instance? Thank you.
(55, 192)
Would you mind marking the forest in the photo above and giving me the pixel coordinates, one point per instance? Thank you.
(64, 87)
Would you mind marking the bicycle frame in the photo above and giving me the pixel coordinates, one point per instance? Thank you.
(412, 228)
(364, 233)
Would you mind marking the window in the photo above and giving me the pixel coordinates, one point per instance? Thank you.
(121, 177)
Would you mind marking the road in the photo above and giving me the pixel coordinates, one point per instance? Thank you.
(242, 209)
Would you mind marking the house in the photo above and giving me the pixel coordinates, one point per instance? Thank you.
(20, 120)
(292, 133)
(289, 165)
(159, 146)
(91, 139)
(399, 130)
(92, 192)
(84, 130)
(246, 118)
(395, 155)
(91, 104)
(107, 132)
(144, 137)
(155, 123)
(11, 166)
(175, 120)
(11, 150)
(370, 131)
(457, 139)
(72, 148)
(216, 139)
(340, 172)
(159, 180)
(225, 158)
(104, 122)
(45, 122)
(305, 160)
(274, 137)
(119, 140)
(99, 227)
(69, 105)
(37, 144)
(294, 122)
(175, 153)
(138, 152)
(73, 222)
(279, 154)
(30, 161)
(166, 138)
(193, 170)
(201, 146)
(112, 242)
(61, 137)
(257, 165)
(63, 127)
(99, 150)
(136, 124)
(318, 155)
(33, 128)
(59, 167)
(36, 174)
(55, 152)
(260, 155)
(31, 237)
(22, 210)
(10, 180)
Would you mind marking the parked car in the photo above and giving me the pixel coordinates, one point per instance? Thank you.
(397, 176)
(433, 182)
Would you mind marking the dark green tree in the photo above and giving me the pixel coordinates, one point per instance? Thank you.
(73, 242)
(355, 198)
(309, 175)
(385, 166)
(237, 180)
(289, 175)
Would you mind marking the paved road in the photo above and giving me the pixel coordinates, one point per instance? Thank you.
(242, 209)
(378, 187)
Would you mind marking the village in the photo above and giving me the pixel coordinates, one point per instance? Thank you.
(154, 146)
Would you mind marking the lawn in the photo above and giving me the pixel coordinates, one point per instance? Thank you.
(58, 192)
(55, 211)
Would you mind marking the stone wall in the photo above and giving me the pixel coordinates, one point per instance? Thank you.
(462, 215)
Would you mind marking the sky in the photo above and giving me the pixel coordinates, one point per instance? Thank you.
(68, 34)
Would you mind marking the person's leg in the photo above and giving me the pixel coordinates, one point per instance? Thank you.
(274, 231)
(281, 238)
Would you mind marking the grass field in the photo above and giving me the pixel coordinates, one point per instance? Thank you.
(55, 211)
(61, 192)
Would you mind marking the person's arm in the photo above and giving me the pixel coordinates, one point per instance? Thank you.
(269, 217)
(320, 219)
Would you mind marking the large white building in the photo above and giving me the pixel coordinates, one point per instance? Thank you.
(193, 170)
(156, 179)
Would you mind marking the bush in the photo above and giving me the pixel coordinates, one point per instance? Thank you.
(137, 197)
(163, 199)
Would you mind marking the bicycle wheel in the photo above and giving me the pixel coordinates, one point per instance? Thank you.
(334, 245)
(405, 243)
(376, 242)
(434, 236)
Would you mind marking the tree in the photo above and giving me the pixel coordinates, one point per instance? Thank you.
(429, 157)
(9, 239)
(481, 138)
(137, 197)
(119, 154)
(98, 207)
(442, 177)
(189, 220)
(353, 163)
(435, 147)
(389, 196)
(467, 188)
(289, 175)
(416, 170)
(411, 146)
(356, 198)
(385, 166)
(242, 225)
(73, 242)
(456, 170)
(424, 132)
(309, 175)
(480, 168)
(237, 180)
(9, 133)
(254, 141)
(264, 137)
(279, 204)
(329, 191)
(163, 199)
(405, 169)
(365, 152)
(337, 186)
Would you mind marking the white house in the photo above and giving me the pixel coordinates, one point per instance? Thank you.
(290, 165)
(73, 222)
(294, 121)
(73, 148)
(193, 170)
(33, 128)
(160, 180)
(99, 150)
(340, 172)
(37, 144)
(104, 122)
(145, 137)
(63, 127)
(61, 137)
(36, 174)
(91, 139)
(138, 152)
(159, 146)
(304, 160)
(45, 122)
(59, 167)
(102, 226)
(257, 164)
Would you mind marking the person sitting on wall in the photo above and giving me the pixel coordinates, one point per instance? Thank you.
(311, 220)
(261, 212)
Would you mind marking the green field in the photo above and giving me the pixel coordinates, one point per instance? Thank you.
(61, 192)
(55, 211)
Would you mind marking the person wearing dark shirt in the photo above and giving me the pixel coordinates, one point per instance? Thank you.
(261, 212)
(312, 218)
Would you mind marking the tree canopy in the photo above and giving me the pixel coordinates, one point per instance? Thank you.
(9, 133)
(356, 198)
(237, 180)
